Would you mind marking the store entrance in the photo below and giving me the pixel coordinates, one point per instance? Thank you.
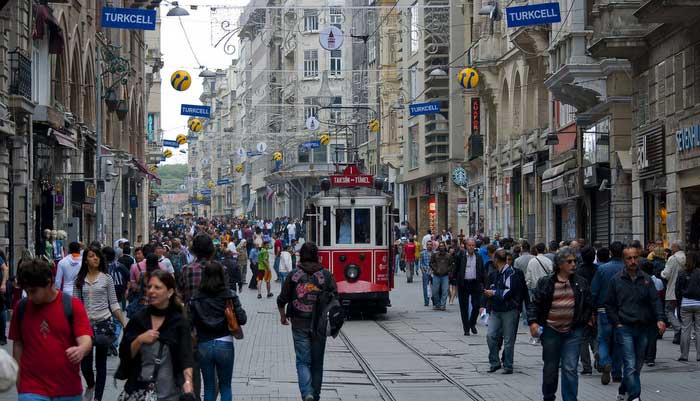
(691, 217)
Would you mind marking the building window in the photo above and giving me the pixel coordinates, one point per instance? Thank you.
(336, 17)
(413, 146)
(303, 154)
(320, 155)
(413, 83)
(336, 114)
(336, 63)
(310, 21)
(414, 30)
(310, 63)
(310, 107)
(338, 153)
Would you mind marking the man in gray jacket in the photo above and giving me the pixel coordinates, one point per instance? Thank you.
(674, 265)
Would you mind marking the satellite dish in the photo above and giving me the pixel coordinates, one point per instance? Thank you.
(261, 147)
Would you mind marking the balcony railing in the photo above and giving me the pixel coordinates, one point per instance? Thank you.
(20, 74)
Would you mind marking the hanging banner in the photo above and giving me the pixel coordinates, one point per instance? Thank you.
(223, 181)
(311, 144)
(195, 110)
(418, 109)
(536, 14)
(170, 144)
(129, 18)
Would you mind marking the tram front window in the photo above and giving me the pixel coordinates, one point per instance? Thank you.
(343, 226)
(362, 226)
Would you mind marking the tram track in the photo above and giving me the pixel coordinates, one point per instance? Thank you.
(380, 384)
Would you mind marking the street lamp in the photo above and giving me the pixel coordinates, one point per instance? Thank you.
(206, 73)
(111, 100)
(177, 11)
(122, 109)
(438, 72)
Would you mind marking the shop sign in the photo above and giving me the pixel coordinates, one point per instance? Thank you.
(128, 18)
(462, 209)
(418, 109)
(459, 177)
(195, 110)
(133, 201)
(642, 161)
(688, 138)
(476, 116)
(536, 14)
(506, 186)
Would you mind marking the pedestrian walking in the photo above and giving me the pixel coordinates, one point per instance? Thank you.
(632, 307)
(688, 292)
(253, 258)
(424, 265)
(157, 346)
(4, 304)
(277, 248)
(95, 289)
(296, 304)
(471, 280)
(561, 308)
(232, 271)
(410, 257)
(68, 268)
(286, 264)
(264, 273)
(609, 358)
(589, 342)
(675, 264)
(242, 259)
(502, 298)
(120, 276)
(214, 340)
(441, 265)
(51, 335)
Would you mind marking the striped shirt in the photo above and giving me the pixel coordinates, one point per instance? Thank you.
(561, 314)
(98, 297)
(424, 260)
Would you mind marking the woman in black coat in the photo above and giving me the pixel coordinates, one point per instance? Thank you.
(214, 340)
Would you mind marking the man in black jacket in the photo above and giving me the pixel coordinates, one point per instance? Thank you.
(471, 279)
(561, 306)
(633, 306)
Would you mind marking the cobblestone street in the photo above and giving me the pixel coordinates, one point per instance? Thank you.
(449, 367)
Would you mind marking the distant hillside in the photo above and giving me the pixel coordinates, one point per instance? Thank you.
(171, 177)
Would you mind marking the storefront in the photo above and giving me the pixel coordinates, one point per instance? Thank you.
(563, 185)
(688, 179)
(651, 165)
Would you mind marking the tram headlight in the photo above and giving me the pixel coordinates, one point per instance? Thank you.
(352, 272)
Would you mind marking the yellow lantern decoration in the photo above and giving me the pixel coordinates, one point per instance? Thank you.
(200, 196)
(277, 156)
(211, 185)
(181, 139)
(168, 153)
(180, 80)
(468, 78)
(374, 125)
(195, 125)
(153, 169)
(239, 168)
(325, 139)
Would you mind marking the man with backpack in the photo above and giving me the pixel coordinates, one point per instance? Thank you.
(120, 276)
(51, 334)
(178, 258)
(306, 284)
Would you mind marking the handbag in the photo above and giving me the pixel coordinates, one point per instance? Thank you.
(232, 320)
(149, 393)
(104, 332)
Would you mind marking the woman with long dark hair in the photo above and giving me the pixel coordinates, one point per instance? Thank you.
(214, 340)
(157, 345)
(688, 293)
(95, 288)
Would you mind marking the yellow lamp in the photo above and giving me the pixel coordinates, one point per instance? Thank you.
(180, 80)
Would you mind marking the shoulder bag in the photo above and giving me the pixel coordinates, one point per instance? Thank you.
(149, 393)
(233, 326)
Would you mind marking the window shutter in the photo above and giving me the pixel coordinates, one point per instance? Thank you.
(661, 90)
(678, 82)
(688, 77)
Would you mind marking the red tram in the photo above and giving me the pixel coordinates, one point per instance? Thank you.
(350, 221)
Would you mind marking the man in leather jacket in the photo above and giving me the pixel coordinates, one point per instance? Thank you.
(471, 280)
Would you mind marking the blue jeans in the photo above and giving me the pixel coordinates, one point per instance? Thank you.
(397, 262)
(37, 397)
(606, 353)
(632, 342)
(276, 267)
(560, 349)
(216, 364)
(426, 282)
(502, 324)
(309, 352)
(440, 286)
(282, 276)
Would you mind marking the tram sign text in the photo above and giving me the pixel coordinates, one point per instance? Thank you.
(352, 180)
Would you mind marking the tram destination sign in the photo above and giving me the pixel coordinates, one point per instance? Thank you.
(352, 180)
(195, 110)
(128, 18)
(537, 14)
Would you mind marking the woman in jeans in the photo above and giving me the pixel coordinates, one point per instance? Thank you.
(95, 288)
(214, 340)
(688, 292)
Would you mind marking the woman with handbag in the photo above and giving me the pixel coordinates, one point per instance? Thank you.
(95, 288)
(217, 315)
(155, 354)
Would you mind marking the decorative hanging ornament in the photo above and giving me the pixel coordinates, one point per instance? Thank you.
(211, 185)
(195, 125)
(167, 153)
(325, 139)
(277, 156)
(153, 169)
(181, 139)
(468, 78)
(180, 80)
(374, 125)
(239, 168)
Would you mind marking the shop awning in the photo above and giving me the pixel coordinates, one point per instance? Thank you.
(553, 177)
(251, 205)
(63, 140)
(625, 160)
(144, 169)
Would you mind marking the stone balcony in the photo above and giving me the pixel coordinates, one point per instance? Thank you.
(668, 11)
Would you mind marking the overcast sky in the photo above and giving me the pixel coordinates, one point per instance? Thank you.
(177, 56)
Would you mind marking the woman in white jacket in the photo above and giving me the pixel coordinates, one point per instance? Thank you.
(285, 263)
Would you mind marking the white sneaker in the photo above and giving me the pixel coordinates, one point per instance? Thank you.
(89, 394)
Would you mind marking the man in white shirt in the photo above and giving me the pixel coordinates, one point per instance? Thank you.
(68, 269)
(427, 237)
(163, 261)
(537, 267)
(292, 231)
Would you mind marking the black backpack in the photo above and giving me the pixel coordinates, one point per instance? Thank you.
(328, 315)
